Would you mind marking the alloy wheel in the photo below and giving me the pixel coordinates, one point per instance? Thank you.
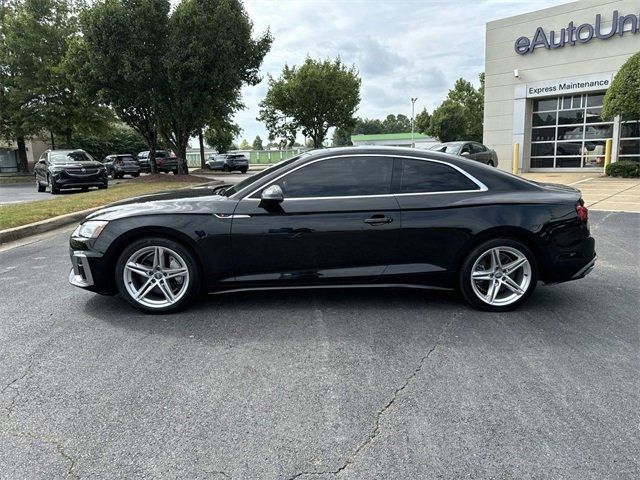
(156, 277)
(501, 276)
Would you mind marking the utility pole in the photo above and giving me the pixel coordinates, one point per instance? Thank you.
(413, 104)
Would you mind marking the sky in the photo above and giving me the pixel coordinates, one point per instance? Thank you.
(402, 48)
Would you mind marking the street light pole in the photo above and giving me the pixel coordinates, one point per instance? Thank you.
(413, 104)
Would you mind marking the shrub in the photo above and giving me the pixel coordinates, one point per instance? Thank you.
(624, 169)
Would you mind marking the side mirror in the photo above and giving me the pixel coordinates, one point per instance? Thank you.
(273, 194)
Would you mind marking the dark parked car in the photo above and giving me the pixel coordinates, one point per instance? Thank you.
(165, 162)
(228, 162)
(120, 165)
(62, 169)
(364, 216)
(473, 150)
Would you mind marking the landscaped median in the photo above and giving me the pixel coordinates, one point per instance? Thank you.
(33, 217)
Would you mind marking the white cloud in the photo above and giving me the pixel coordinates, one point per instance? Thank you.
(402, 48)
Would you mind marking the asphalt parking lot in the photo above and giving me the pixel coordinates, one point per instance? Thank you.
(357, 384)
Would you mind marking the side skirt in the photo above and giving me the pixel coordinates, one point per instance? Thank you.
(324, 287)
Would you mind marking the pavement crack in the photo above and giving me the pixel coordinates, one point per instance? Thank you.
(376, 427)
(50, 441)
(13, 385)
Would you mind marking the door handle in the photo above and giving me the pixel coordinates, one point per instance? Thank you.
(378, 220)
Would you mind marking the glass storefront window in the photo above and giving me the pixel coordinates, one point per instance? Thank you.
(630, 139)
(568, 132)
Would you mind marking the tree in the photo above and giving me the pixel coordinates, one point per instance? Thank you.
(623, 96)
(396, 124)
(38, 84)
(341, 137)
(314, 97)
(257, 143)
(422, 121)
(466, 122)
(210, 54)
(220, 134)
(118, 139)
(368, 126)
(448, 122)
(124, 42)
(244, 145)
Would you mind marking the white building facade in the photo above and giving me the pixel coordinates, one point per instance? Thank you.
(546, 74)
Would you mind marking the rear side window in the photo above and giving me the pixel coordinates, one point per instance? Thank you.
(340, 177)
(423, 176)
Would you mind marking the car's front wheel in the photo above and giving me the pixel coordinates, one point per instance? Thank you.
(41, 188)
(157, 275)
(498, 275)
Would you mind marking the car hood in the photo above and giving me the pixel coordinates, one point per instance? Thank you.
(196, 200)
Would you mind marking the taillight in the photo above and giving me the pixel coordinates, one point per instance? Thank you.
(583, 212)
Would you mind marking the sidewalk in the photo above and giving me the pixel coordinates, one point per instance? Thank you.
(610, 194)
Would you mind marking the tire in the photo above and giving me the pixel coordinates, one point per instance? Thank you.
(85, 189)
(183, 287)
(174, 171)
(41, 188)
(226, 168)
(135, 175)
(103, 187)
(244, 170)
(480, 291)
(52, 185)
(490, 163)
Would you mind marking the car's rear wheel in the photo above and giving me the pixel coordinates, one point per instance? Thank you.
(498, 275)
(490, 163)
(157, 275)
(135, 175)
(244, 170)
(226, 168)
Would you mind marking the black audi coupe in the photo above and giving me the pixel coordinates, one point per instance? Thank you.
(357, 216)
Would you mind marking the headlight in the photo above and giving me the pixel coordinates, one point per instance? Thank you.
(56, 169)
(90, 229)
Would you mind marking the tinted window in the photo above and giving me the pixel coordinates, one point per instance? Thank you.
(340, 177)
(477, 148)
(423, 176)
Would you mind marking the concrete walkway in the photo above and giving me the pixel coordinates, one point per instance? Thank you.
(599, 192)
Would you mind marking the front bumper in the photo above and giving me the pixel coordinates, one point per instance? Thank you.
(80, 274)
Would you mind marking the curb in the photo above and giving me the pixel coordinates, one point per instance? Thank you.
(18, 233)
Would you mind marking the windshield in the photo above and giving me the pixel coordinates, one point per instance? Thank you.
(446, 147)
(67, 157)
(254, 178)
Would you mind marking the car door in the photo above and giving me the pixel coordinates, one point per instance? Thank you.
(338, 222)
(436, 220)
(479, 152)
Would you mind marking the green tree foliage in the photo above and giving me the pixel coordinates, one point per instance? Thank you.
(623, 97)
(124, 42)
(396, 124)
(422, 121)
(38, 78)
(220, 135)
(244, 145)
(368, 126)
(257, 143)
(341, 137)
(314, 97)
(471, 101)
(116, 140)
(449, 122)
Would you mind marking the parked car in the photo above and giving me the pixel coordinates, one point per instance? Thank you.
(120, 165)
(363, 216)
(63, 169)
(228, 162)
(165, 161)
(473, 150)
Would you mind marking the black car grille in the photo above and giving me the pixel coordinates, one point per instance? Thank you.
(82, 172)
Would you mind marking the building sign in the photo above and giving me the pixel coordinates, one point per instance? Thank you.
(568, 86)
(572, 34)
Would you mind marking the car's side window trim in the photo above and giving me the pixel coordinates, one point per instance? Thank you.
(481, 186)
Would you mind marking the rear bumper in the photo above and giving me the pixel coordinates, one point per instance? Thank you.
(586, 270)
(574, 264)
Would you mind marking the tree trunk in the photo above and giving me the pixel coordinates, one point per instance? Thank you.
(152, 159)
(183, 168)
(23, 164)
(53, 141)
(201, 140)
(68, 138)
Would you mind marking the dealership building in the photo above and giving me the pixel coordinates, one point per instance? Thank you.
(546, 74)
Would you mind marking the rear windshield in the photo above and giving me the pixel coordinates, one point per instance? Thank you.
(446, 147)
(236, 156)
(66, 157)
(127, 159)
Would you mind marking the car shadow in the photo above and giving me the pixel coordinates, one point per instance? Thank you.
(254, 315)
